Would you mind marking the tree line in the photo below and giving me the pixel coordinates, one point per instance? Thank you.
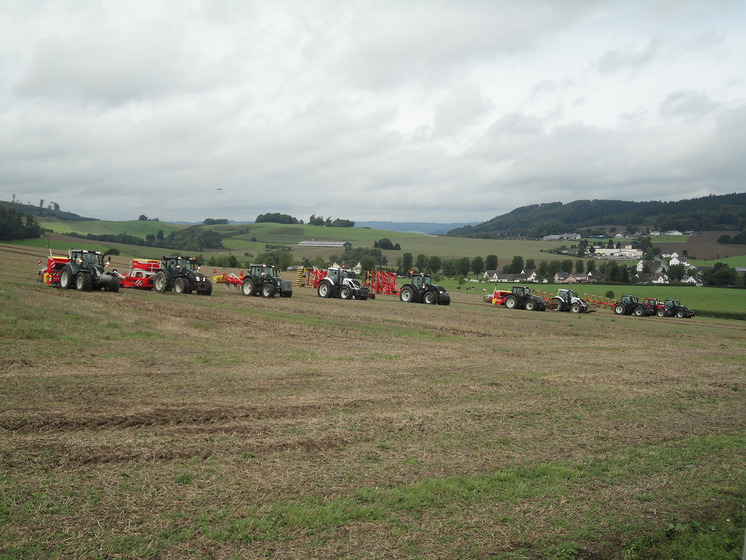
(17, 225)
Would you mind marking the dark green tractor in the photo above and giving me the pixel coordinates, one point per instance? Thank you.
(86, 271)
(262, 279)
(182, 275)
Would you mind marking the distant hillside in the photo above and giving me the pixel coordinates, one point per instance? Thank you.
(710, 213)
(44, 212)
(412, 227)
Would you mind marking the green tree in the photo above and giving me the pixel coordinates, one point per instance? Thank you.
(463, 265)
(477, 265)
(434, 264)
(590, 265)
(421, 263)
(530, 264)
(579, 267)
(406, 263)
(490, 262)
(517, 265)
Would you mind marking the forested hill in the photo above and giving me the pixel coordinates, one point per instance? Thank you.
(50, 211)
(709, 213)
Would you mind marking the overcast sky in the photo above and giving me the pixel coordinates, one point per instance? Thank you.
(440, 111)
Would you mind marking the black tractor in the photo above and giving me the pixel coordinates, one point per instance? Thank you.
(182, 275)
(339, 283)
(630, 305)
(521, 298)
(422, 290)
(673, 308)
(86, 271)
(262, 279)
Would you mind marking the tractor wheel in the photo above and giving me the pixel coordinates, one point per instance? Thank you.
(575, 308)
(619, 309)
(268, 290)
(83, 282)
(160, 283)
(66, 279)
(113, 286)
(530, 305)
(181, 286)
(660, 313)
(429, 298)
(511, 302)
(406, 294)
(555, 304)
(207, 290)
(680, 314)
(639, 312)
(344, 292)
(324, 290)
(247, 288)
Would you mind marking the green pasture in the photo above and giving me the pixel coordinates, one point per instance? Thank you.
(137, 228)
(739, 261)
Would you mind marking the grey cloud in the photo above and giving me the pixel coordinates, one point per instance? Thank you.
(618, 60)
(687, 105)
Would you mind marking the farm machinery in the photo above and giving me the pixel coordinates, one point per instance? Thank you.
(672, 308)
(520, 297)
(568, 300)
(338, 283)
(140, 274)
(497, 297)
(262, 279)
(182, 275)
(230, 279)
(84, 270)
(630, 305)
(422, 290)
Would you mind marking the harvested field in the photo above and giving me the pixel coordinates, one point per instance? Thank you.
(145, 425)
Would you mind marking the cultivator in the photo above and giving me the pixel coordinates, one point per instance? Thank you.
(230, 279)
(382, 282)
(140, 274)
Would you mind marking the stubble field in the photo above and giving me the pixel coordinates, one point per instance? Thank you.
(145, 425)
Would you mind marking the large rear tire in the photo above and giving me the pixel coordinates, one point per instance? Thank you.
(619, 309)
(406, 294)
(247, 288)
(555, 304)
(511, 302)
(160, 283)
(66, 279)
(324, 290)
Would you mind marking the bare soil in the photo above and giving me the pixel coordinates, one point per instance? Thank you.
(133, 423)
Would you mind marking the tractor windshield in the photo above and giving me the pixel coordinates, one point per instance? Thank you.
(426, 280)
(186, 264)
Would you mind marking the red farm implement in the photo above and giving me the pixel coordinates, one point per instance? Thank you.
(382, 282)
(51, 273)
(230, 279)
(140, 275)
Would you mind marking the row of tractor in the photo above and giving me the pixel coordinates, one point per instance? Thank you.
(86, 271)
(523, 297)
